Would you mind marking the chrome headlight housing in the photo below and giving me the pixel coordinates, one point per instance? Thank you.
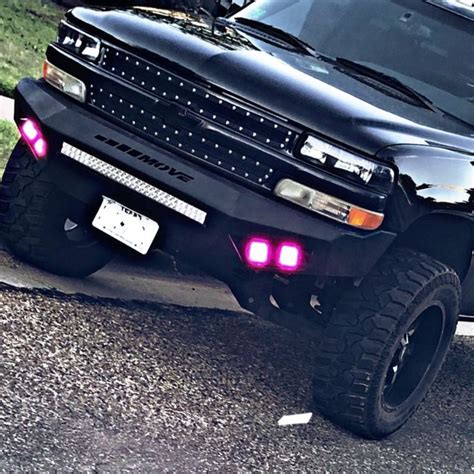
(78, 42)
(348, 165)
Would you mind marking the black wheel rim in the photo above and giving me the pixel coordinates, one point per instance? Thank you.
(413, 357)
(78, 235)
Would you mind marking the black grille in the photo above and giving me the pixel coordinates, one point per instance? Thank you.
(190, 117)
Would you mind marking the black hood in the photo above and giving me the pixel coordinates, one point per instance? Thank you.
(275, 79)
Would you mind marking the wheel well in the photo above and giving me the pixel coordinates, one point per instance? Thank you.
(447, 238)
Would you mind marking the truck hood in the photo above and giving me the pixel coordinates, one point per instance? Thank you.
(281, 81)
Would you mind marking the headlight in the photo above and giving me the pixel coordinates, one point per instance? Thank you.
(348, 165)
(328, 206)
(77, 42)
(64, 82)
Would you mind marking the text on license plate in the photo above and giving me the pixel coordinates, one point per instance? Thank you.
(125, 225)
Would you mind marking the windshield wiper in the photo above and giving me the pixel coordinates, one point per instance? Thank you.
(276, 33)
(384, 78)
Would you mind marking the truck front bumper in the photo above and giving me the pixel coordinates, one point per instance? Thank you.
(232, 212)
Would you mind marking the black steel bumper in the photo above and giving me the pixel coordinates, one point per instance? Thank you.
(233, 211)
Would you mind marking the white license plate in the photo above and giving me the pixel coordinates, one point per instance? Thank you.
(125, 225)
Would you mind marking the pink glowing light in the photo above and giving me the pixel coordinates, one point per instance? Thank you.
(30, 130)
(258, 252)
(40, 147)
(31, 133)
(289, 256)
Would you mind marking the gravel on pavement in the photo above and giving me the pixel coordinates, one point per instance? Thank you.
(90, 384)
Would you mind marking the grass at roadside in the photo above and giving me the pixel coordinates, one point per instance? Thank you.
(8, 137)
(26, 28)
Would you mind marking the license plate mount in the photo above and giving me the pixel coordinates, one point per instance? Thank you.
(126, 225)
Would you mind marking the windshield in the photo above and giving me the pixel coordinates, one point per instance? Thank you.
(425, 46)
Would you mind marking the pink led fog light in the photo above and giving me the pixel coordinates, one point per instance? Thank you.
(258, 252)
(30, 130)
(289, 256)
(40, 147)
(31, 133)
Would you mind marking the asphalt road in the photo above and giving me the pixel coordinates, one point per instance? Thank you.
(91, 384)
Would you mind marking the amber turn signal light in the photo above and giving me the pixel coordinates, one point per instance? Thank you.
(364, 219)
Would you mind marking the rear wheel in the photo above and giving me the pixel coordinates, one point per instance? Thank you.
(42, 225)
(386, 342)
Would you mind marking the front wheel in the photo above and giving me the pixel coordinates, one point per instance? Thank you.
(40, 224)
(386, 342)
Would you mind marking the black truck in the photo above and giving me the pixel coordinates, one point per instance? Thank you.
(315, 156)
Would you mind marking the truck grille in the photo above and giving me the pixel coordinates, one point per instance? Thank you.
(180, 114)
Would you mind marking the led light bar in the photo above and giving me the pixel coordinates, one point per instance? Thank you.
(136, 184)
